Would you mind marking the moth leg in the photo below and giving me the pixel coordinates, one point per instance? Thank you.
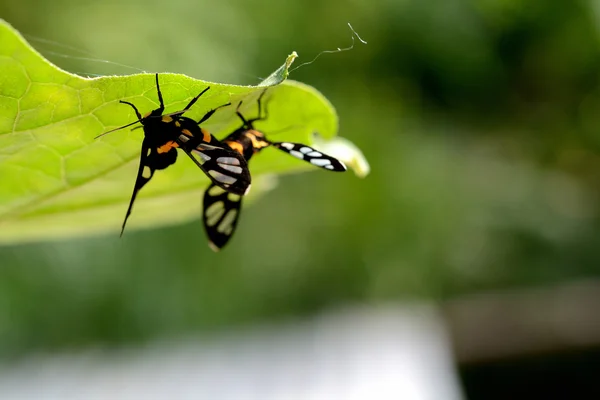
(259, 101)
(211, 112)
(190, 104)
(134, 108)
(160, 98)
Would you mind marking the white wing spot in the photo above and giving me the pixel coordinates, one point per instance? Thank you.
(315, 154)
(288, 146)
(226, 225)
(329, 166)
(232, 168)
(203, 156)
(305, 150)
(147, 172)
(214, 213)
(320, 162)
(228, 160)
(297, 154)
(222, 177)
(183, 138)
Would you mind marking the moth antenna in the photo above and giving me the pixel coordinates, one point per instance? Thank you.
(119, 128)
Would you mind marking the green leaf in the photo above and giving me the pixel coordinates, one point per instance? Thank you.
(56, 180)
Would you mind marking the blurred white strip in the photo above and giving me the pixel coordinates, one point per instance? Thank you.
(364, 354)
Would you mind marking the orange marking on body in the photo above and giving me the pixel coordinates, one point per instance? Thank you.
(256, 133)
(256, 138)
(207, 136)
(186, 132)
(166, 147)
(167, 119)
(235, 146)
(177, 124)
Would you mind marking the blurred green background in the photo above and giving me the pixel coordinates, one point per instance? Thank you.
(479, 118)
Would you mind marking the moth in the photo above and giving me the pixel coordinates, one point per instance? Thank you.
(164, 134)
(221, 210)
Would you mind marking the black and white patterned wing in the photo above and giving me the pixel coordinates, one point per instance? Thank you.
(310, 155)
(226, 168)
(220, 214)
(150, 160)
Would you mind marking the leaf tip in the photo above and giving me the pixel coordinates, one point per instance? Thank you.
(345, 151)
(281, 73)
(290, 59)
